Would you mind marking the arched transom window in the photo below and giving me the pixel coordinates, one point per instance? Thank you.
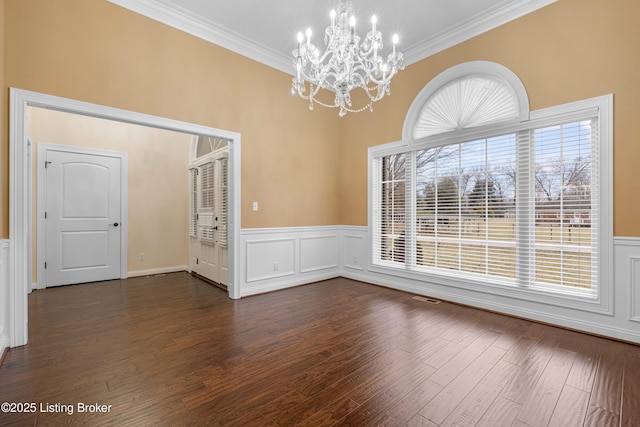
(469, 95)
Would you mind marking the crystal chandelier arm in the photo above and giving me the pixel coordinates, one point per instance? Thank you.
(347, 63)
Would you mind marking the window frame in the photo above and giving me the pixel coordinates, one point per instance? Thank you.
(602, 302)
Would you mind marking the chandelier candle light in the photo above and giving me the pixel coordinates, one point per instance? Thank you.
(346, 64)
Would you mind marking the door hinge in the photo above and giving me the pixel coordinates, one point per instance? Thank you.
(45, 265)
(45, 215)
(197, 261)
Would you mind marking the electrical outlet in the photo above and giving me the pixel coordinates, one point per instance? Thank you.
(141, 256)
(355, 260)
(275, 266)
(255, 206)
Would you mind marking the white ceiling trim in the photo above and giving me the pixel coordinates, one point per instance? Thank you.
(186, 21)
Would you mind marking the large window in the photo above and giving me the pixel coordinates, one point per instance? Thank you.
(514, 204)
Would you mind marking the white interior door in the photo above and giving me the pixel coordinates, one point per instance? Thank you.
(83, 217)
(207, 262)
(209, 249)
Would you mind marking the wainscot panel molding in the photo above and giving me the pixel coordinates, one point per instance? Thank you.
(318, 253)
(280, 258)
(354, 248)
(634, 283)
(4, 295)
(270, 258)
(627, 258)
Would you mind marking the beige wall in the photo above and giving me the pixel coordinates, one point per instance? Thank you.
(310, 168)
(95, 51)
(568, 51)
(158, 179)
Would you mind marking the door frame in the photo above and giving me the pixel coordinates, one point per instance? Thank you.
(195, 162)
(20, 182)
(41, 191)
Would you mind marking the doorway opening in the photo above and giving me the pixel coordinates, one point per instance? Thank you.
(209, 209)
(20, 183)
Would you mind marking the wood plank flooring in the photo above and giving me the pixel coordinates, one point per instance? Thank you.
(173, 350)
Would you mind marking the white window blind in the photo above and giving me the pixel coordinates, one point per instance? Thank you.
(566, 222)
(221, 201)
(465, 200)
(514, 208)
(465, 103)
(207, 200)
(390, 201)
(193, 202)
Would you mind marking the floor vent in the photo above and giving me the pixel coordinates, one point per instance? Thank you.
(426, 299)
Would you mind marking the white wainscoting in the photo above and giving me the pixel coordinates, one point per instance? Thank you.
(634, 282)
(318, 253)
(307, 254)
(279, 258)
(4, 295)
(627, 258)
(354, 249)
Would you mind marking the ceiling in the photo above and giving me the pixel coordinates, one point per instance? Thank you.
(266, 30)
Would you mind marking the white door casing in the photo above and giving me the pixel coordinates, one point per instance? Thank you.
(84, 194)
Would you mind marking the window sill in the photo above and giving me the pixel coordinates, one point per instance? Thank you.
(583, 301)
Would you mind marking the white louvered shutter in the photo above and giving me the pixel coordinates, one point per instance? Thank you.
(222, 201)
(207, 200)
(193, 202)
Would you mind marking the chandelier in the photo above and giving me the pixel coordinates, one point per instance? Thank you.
(348, 63)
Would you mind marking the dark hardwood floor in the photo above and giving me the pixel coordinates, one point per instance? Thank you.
(173, 350)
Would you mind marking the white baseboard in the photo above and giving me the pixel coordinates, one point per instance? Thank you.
(285, 284)
(161, 270)
(4, 344)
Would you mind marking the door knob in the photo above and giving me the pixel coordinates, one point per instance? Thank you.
(115, 224)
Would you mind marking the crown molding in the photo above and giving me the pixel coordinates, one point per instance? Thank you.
(501, 14)
(184, 20)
